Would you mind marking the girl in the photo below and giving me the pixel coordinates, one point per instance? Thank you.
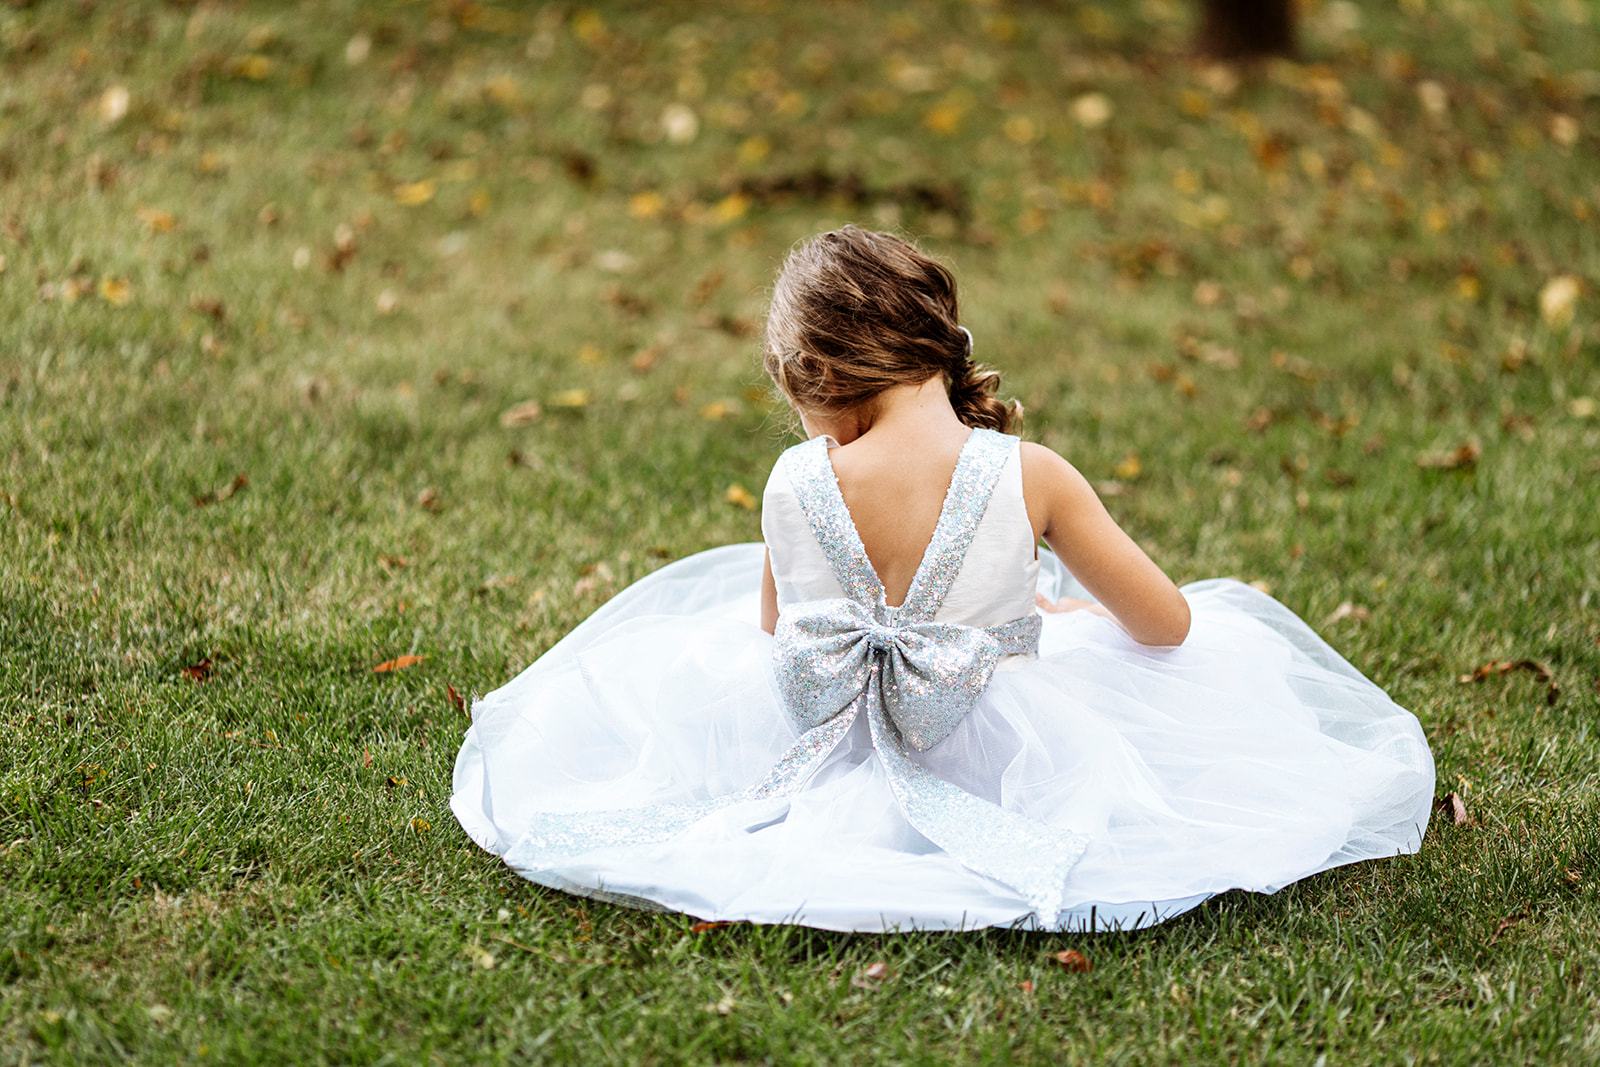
(934, 726)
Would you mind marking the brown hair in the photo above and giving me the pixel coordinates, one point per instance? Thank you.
(855, 311)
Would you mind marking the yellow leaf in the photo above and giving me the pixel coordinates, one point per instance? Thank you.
(156, 220)
(1468, 287)
(503, 90)
(754, 149)
(740, 497)
(944, 118)
(570, 398)
(1558, 300)
(115, 291)
(590, 355)
(411, 194)
(1130, 467)
(717, 409)
(253, 67)
(589, 27)
(646, 205)
(731, 207)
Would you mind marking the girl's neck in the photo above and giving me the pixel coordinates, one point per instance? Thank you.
(900, 410)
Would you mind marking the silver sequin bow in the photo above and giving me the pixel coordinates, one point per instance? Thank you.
(932, 672)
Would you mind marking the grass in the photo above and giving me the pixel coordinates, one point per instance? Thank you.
(327, 246)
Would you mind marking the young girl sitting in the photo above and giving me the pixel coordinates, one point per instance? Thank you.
(933, 726)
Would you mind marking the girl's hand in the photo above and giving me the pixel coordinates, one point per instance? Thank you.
(1069, 603)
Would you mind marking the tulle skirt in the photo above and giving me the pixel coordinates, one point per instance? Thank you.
(1249, 757)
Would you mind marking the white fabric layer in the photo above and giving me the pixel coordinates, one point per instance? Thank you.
(1250, 757)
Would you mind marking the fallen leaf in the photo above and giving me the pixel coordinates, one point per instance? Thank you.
(871, 976)
(1349, 610)
(399, 663)
(1129, 468)
(740, 497)
(1454, 808)
(227, 492)
(115, 291)
(702, 927)
(1506, 666)
(428, 499)
(521, 414)
(1505, 924)
(1073, 960)
(421, 825)
(1463, 457)
(570, 399)
(156, 220)
(415, 194)
(455, 698)
(198, 672)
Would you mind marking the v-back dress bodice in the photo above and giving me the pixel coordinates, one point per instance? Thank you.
(995, 584)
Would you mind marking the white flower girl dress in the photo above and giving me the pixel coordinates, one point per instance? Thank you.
(957, 761)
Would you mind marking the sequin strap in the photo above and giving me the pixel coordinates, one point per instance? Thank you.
(817, 488)
(971, 485)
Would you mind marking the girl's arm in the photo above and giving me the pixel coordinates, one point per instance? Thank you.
(1066, 511)
(769, 595)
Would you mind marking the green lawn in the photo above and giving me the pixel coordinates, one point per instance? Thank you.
(274, 276)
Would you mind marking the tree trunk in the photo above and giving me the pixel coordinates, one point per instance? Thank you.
(1247, 29)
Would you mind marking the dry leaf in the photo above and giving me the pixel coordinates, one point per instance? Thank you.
(156, 220)
(198, 672)
(421, 825)
(1129, 468)
(414, 194)
(740, 497)
(570, 399)
(521, 414)
(226, 492)
(702, 927)
(870, 976)
(1506, 666)
(399, 663)
(1454, 808)
(115, 291)
(1505, 924)
(1463, 457)
(1348, 610)
(455, 698)
(1073, 960)
(428, 499)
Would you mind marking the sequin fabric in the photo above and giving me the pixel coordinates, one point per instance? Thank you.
(914, 679)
